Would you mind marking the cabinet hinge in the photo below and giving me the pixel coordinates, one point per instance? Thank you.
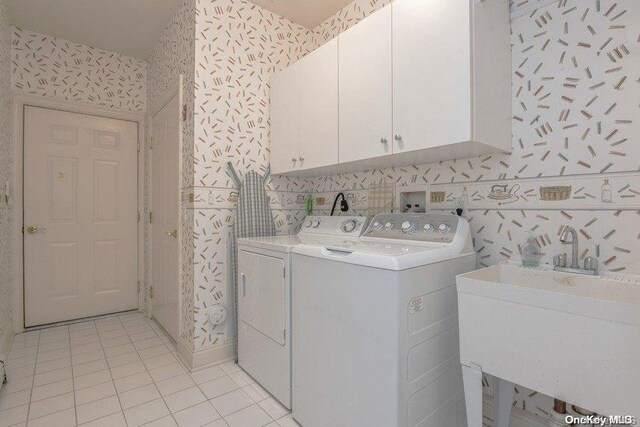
(151, 217)
(284, 334)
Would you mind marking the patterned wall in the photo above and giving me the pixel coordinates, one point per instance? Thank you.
(576, 86)
(238, 46)
(5, 169)
(53, 67)
(174, 54)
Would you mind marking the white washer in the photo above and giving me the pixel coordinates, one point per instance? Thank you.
(375, 325)
(264, 298)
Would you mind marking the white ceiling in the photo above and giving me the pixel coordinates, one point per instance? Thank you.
(130, 27)
(308, 13)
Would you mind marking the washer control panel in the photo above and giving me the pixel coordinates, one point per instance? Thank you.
(423, 227)
(334, 225)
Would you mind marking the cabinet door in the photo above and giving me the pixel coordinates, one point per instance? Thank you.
(365, 88)
(285, 120)
(431, 73)
(319, 107)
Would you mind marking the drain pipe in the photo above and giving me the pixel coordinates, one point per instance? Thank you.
(559, 414)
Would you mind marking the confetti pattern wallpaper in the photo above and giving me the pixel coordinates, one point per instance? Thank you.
(56, 68)
(6, 259)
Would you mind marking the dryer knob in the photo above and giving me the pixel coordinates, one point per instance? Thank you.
(444, 228)
(388, 226)
(407, 227)
(377, 225)
(349, 225)
(429, 227)
(315, 223)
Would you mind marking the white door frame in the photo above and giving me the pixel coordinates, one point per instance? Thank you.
(175, 87)
(20, 100)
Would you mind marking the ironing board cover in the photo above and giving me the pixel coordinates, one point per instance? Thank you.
(253, 219)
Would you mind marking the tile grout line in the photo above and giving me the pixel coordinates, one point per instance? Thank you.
(73, 378)
(33, 380)
(149, 373)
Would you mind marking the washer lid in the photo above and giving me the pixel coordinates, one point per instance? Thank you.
(394, 257)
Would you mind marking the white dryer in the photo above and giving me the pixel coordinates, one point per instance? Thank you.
(375, 325)
(264, 298)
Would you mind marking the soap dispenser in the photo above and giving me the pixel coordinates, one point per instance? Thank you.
(531, 253)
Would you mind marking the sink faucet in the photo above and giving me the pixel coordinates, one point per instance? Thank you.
(570, 231)
(560, 261)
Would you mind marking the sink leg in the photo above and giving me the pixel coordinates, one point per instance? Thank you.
(502, 402)
(472, 377)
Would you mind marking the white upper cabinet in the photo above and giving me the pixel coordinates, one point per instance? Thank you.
(417, 81)
(431, 70)
(319, 107)
(285, 120)
(451, 78)
(366, 89)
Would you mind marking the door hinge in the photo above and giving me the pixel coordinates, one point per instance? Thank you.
(284, 272)
(138, 146)
(284, 334)
(151, 140)
(138, 216)
(151, 292)
(138, 287)
(151, 217)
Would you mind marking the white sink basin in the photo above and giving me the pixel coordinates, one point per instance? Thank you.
(572, 337)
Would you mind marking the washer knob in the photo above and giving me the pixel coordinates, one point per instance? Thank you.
(429, 228)
(315, 223)
(377, 225)
(406, 227)
(388, 226)
(349, 225)
(444, 228)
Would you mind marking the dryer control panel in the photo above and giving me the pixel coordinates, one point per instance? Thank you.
(352, 226)
(417, 227)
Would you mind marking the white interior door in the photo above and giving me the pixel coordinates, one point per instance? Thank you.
(165, 201)
(365, 88)
(80, 215)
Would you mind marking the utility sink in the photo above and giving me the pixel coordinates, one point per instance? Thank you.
(570, 336)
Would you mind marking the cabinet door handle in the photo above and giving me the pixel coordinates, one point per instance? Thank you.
(384, 140)
(301, 159)
(398, 138)
(293, 159)
(243, 285)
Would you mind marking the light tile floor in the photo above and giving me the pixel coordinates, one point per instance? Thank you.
(124, 371)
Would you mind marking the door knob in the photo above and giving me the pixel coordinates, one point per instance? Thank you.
(33, 229)
(173, 233)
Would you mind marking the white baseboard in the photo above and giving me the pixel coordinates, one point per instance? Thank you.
(519, 417)
(207, 357)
